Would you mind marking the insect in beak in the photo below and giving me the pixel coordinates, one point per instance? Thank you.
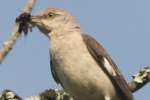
(24, 23)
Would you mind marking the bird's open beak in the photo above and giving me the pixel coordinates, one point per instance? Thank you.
(35, 20)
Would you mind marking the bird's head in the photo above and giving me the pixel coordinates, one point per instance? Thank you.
(53, 19)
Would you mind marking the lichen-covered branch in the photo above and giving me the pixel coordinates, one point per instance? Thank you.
(46, 95)
(8, 45)
(139, 80)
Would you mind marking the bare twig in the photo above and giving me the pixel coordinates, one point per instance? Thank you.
(8, 45)
(30, 4)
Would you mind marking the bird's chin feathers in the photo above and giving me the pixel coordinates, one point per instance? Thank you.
(45, 31)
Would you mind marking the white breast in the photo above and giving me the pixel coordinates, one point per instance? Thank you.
(79, 73)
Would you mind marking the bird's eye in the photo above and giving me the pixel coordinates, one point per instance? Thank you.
(51, 15)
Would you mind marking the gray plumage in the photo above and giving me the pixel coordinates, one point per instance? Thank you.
(78, 62)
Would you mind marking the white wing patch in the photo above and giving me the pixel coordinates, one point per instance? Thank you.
(107, 98)
(109, 67)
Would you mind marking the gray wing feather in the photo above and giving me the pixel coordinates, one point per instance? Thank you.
(52, 66)
(53, 70)
(98, 53)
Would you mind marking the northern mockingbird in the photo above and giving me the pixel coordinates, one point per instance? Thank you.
(78, 62)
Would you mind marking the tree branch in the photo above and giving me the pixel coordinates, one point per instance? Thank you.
(140, 79)
(8, 45)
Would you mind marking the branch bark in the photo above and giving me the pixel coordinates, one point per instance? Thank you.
(8, 45)
(140, 79)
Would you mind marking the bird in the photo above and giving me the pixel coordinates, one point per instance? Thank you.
(78, 62)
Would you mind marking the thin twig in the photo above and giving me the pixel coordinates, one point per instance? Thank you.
(30, 4)
(8, 45)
